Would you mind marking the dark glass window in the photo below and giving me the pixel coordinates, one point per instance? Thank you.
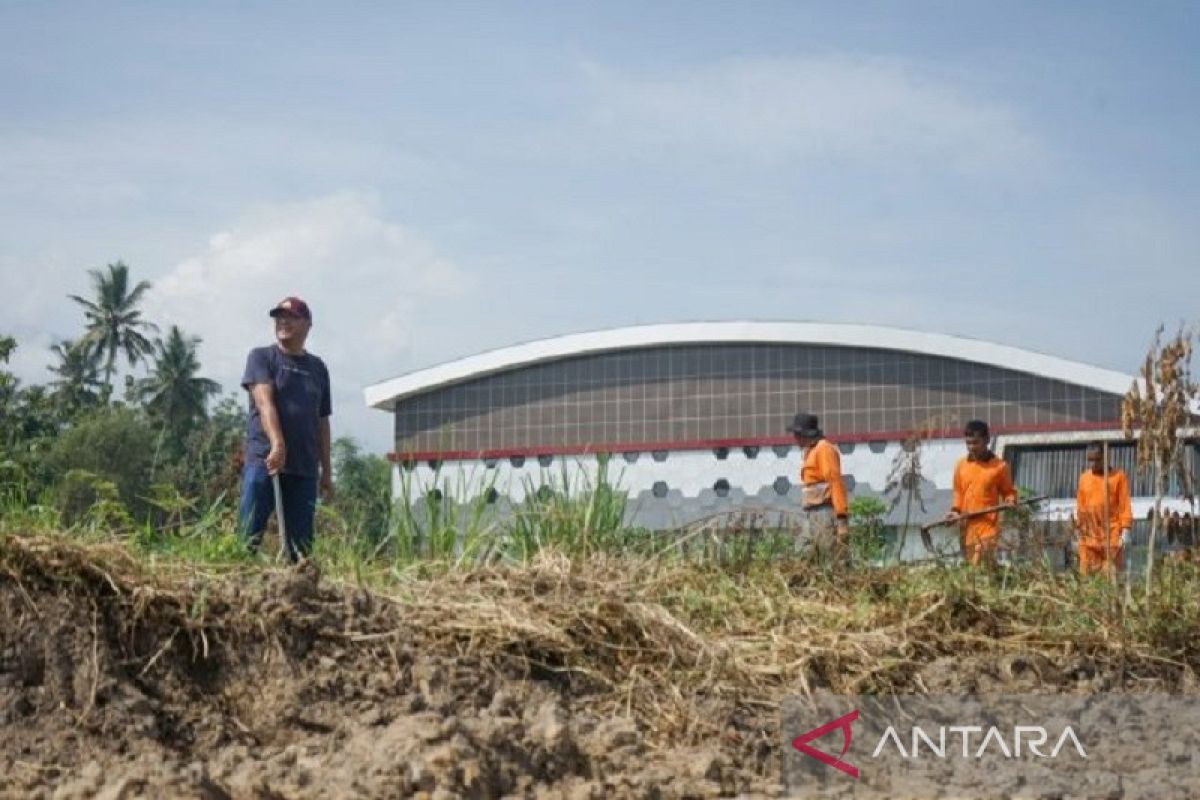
(693, 393)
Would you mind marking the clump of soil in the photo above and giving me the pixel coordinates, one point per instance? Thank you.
(116, 682)
(277, 685)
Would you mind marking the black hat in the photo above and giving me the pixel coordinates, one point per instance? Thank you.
(806, 425)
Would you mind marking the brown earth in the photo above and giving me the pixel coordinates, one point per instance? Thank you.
(115, 683)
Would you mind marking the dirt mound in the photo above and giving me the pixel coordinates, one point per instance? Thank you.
(272, 685)
(120, 681)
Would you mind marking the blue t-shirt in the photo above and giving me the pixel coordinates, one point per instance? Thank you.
(301, 401)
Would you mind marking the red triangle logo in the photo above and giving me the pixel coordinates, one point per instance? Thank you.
(843, 723)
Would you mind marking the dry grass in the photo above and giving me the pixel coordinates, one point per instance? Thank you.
(687, 650)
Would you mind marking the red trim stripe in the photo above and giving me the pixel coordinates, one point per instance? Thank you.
(710, 444)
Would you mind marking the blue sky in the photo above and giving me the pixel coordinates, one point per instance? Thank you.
(439, 179)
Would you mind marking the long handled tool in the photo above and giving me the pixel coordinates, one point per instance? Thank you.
(283, 540)
(927, 540)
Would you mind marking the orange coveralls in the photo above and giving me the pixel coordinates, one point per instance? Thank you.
(978, 485)
(821, 477)
(823, 497)
(1094, 547)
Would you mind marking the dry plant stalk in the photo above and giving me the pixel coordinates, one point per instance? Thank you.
(904, 480)
(1160, 408)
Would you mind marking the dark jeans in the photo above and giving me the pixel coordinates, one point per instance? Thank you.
(258, 501)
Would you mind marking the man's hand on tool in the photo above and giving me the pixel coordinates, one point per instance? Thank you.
(951, 517)
(842, 527)
(276, 458)
(326, 487)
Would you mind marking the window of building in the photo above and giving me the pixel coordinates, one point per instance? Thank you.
(659, 489)
(517, 461)
(782, 485)
(782, 450)
(750, 451)
(721, 487)
(545, 459)
(721, 453)
(659, 455)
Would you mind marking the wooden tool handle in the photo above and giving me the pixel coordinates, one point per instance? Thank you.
(980, 512)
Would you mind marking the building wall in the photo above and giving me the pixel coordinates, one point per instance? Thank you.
(678, 487)
(676, 396)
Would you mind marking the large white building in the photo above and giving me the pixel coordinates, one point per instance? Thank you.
(693, 416)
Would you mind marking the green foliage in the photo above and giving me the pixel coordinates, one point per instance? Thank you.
(78, 386)
(867, 537)
(578, 517)
(86, 500)
(363, 492)
(209, 466)
(446, 522)
(115, 445)
(114, 322)
(174, 394)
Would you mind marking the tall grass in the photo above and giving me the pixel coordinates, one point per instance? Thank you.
(448, 524)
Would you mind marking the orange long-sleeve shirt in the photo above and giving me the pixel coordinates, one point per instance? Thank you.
(1089, 508)
(823, 464)
(978, 485)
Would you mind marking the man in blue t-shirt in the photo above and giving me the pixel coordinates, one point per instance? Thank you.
(287, 433)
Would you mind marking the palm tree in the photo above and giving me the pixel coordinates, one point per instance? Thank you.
(173, 392)
(78, 384)
(114, 323)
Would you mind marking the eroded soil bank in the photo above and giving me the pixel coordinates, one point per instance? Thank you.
(118, 682)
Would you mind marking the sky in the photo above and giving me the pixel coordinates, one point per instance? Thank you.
(440, 179)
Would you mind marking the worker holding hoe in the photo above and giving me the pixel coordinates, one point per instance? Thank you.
(981, 480)
(822, 492)
(1103, 514)
(287, 433)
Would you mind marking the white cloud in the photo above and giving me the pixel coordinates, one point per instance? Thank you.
(365, 278)
(860, 109)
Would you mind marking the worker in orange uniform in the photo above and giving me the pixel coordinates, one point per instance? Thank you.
(1101, 545)
(981, 480)
(822, 492)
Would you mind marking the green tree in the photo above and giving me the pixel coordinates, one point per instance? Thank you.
(174, 394)
(9, 389)
(114, 322)
(363, 489)
(113, 444)
(28, 422)
(78, 385)
(210, 464)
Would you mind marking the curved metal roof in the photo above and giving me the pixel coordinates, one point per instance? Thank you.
(386, 394)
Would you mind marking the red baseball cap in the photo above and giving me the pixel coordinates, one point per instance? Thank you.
(292, 306)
